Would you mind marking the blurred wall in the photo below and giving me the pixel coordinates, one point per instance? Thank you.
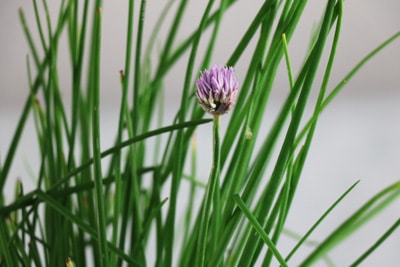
(366, 24)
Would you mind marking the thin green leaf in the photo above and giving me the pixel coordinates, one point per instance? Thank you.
(257, 226)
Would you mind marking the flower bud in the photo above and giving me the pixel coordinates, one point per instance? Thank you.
(217, 89)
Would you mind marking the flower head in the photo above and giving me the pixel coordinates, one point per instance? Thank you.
(217, 89)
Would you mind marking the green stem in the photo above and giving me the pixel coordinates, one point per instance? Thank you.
(210, 195)
(215, 181)
(260, 230)
(98, 182)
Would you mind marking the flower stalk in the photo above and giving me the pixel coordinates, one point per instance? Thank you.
(212, 197)
(216, 92)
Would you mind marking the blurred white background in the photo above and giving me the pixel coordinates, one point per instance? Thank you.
(357, 135)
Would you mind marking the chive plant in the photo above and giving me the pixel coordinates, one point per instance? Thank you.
(86, 211)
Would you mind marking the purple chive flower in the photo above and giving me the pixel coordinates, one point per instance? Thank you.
(217, 89)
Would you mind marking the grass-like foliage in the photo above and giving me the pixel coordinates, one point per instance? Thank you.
(127, 210)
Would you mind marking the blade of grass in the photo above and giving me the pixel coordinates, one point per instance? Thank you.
(368, 252)
(171, 37)
(376, 204)
(77, 61)
(257, 226)
(344, 81)
(28, 199)
(8, 255)
(319, 221)
(138, 49)
(120, 226)
(137, 151)
(95, 82)
(190, 206)
(39, 25)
